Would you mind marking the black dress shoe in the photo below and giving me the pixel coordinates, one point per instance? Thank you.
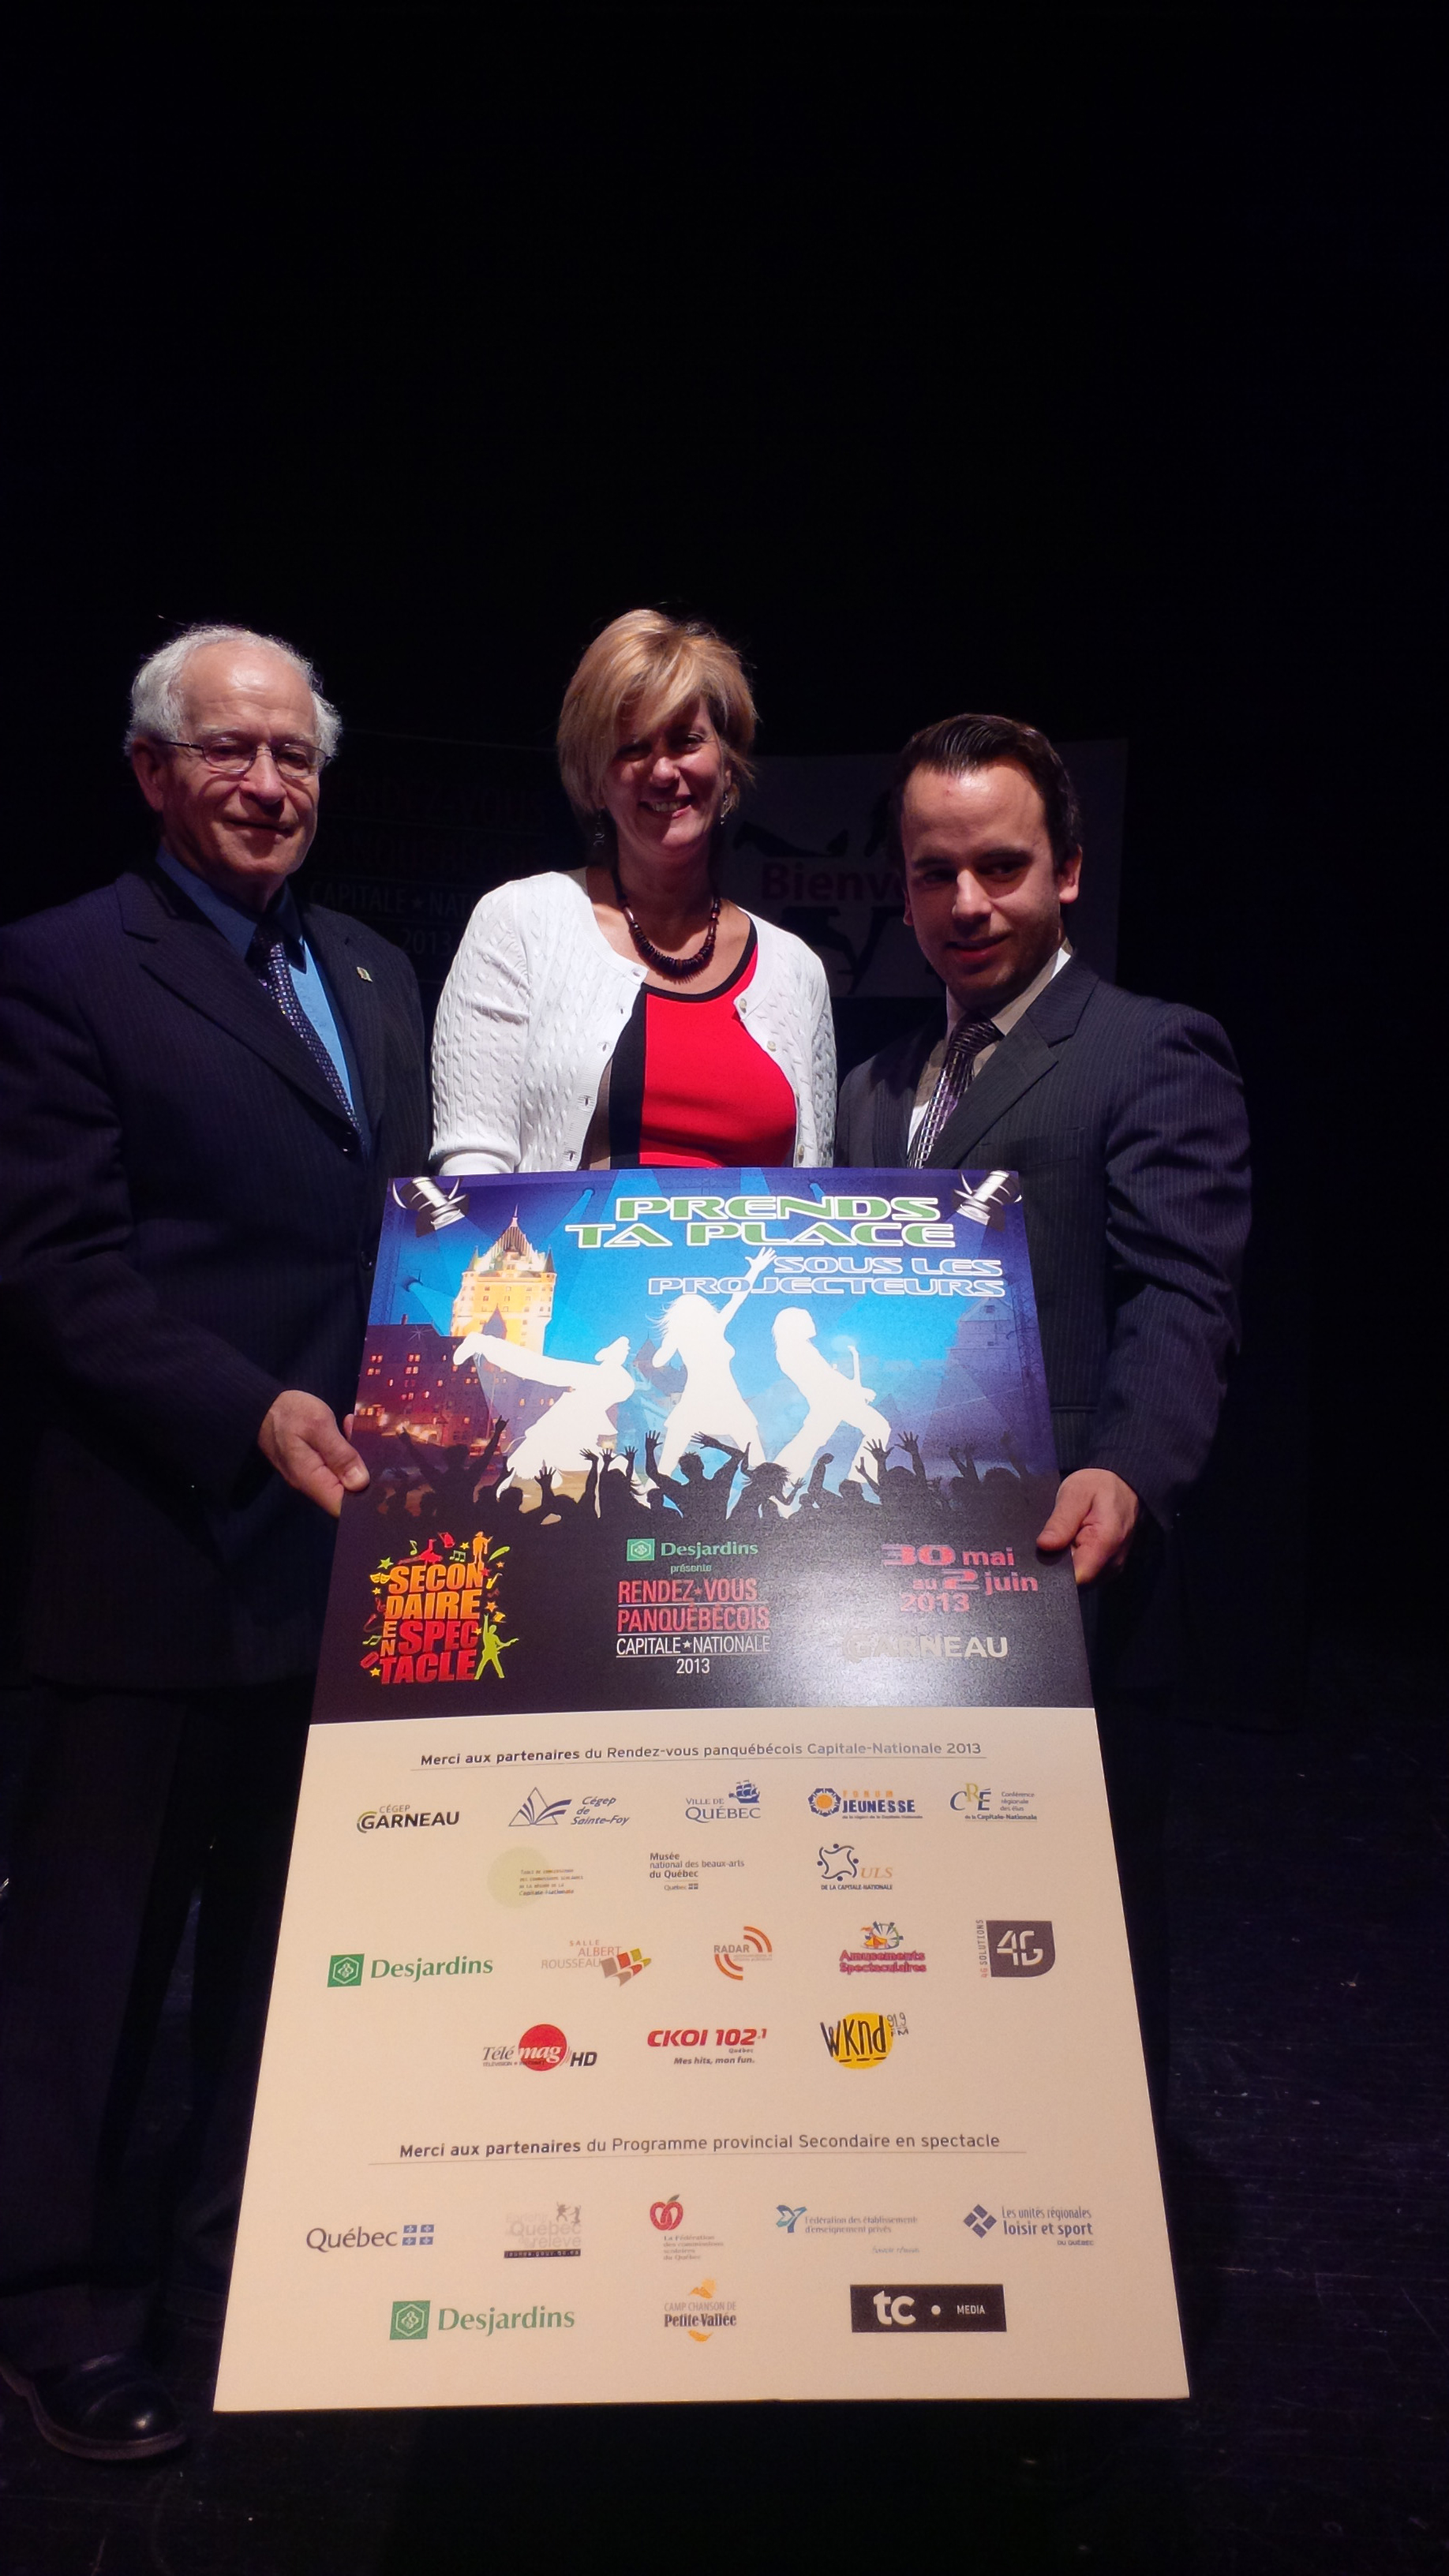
(112, 2408)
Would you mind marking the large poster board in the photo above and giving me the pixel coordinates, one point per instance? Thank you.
(688, 2019)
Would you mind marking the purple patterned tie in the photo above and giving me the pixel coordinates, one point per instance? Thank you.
(967, 1040)
(268, 954)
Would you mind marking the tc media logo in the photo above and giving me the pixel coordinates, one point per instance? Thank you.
(410, 2320)
(733, 1957)
(927, 2307)
(345, 1968)
(1016, 1949)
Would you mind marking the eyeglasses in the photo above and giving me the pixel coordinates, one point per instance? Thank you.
(230, 758)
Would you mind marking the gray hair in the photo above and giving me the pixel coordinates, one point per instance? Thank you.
(156, 710)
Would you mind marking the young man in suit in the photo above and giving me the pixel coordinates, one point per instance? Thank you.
(1124, 1120)
(205, 1084)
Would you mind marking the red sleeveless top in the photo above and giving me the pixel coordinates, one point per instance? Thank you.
(688, 1083)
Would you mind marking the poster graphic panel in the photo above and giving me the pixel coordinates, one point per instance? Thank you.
(675, 1438)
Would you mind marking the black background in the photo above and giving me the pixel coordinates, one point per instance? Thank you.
(1088, 367)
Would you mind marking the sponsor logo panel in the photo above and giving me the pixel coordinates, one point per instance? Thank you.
(1016, 1949)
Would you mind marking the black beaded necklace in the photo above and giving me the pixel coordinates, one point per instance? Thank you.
(679, 970)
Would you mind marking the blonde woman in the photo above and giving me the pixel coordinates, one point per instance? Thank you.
(627, 1013)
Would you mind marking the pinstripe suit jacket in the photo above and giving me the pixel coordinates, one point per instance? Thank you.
(187, 1226)
(1124, 1118)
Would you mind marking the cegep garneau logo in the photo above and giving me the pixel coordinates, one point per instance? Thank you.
(394, 1818)
(848, 1802)
(927, 2307)
(353, 1968)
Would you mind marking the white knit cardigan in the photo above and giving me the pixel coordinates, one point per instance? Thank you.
(535, 1003)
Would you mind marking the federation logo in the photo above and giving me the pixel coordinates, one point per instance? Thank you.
(345, 1968)
(409, 2320)
(666, 2215)
(789, 2218)
(732, 1958)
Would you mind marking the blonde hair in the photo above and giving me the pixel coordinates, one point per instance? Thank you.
(648, 666)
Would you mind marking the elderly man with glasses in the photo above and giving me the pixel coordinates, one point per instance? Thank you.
(204, 1085)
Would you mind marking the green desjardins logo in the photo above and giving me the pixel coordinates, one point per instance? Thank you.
(409, 2320)
(345, 1968)
(639, 1551)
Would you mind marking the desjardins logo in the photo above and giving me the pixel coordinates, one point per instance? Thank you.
(409, 2320)
(345, 1968)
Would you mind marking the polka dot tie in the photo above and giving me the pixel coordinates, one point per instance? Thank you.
(268, 954)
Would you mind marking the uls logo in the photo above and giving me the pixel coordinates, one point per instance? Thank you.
(730, 1959)
(858, 2039)
(666, 2215)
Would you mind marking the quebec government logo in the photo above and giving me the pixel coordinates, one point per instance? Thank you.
(733, 1957)
(1016, 1949)
(862, 2039)
(928, 2307)
(352, 2240)
(409, 2320)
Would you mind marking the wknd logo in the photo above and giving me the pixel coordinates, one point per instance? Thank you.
(860, 2039)
(345, 1968)
(1018, 1949)
(539, 1809)
(930, 2307)
(624, 1964)
(639, 1551)
(410, 2320)
(732, 1957)
(979, 2220)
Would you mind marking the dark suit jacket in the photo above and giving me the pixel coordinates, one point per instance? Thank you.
(1124, 1119)
(187, 1225)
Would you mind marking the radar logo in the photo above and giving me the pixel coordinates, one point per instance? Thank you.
(733, 1957)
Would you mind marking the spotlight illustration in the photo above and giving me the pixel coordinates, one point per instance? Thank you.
(430, 1207)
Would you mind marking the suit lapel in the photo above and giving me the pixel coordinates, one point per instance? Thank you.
(188, 956)
(1024, 1058)
(895, 1096)
(355, 998)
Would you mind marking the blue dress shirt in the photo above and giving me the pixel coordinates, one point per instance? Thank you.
(240, 926)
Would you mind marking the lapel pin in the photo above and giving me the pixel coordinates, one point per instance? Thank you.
(362, 970)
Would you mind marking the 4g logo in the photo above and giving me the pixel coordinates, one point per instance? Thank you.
(1016, 1949)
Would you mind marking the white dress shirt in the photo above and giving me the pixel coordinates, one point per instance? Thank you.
(1004, 1020)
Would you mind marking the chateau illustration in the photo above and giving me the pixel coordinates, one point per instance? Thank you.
(510, 1280)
